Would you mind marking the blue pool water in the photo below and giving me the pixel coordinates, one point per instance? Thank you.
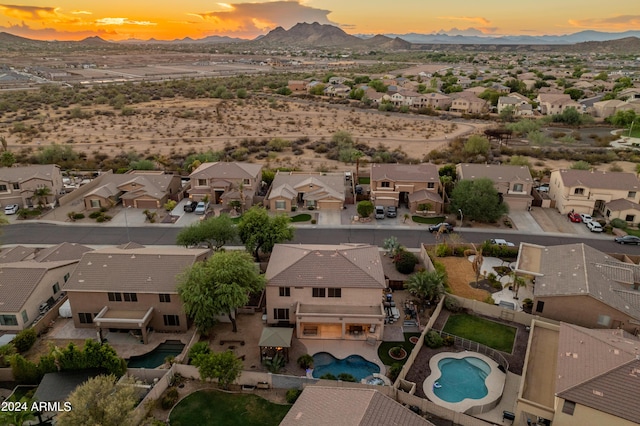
(461, 379)
(358, 367)
(156, 357)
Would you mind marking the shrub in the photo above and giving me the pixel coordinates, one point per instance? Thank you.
(170, 398)
(170, 205)
(313, 221)
(618, 223)
(346, 377)
(25, 339)
(6, 351)
(95, 215)
(292, 395)
(452, 304)
(448, 340)
(78, 216)
(305, 361)
(394, 371)
(200, 348)
(433, 340)
(328, 376)
(405, 262)
(442, 250)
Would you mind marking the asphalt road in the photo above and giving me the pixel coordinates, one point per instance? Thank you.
(42, 233)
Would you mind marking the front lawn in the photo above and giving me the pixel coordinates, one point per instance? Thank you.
(385, 347)
(489, 333)
(216, 408)
(630, 231)
(428, 220)
(302, 217)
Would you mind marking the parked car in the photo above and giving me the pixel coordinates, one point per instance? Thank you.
(392, 211)
(627, 239)
(447, 227)
(190, 206)
(11, 209)
(501, 242)
(201, 208)
(379, 212)
(594, 226)
(585, 217)
(574, 217)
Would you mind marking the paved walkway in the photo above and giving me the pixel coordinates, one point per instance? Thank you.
(505, 294)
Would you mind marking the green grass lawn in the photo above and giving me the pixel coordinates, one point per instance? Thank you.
(364, 180)
(492, 334)
(383, 350)
(302, 217)
(428, 220)
(630, 231)
(216, 408)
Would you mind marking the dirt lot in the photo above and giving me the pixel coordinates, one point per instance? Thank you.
(460, 274)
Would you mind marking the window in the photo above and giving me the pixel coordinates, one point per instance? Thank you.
(517, 187)
(568, 407)
(318, 292)
(171, 320)
(578, 191)
(165, 298)
(385, 184)
(202, 182)
(311, 203)
(246, 182)
(281, 205)
(16, 186)
(66, 277)
(25, 317)
(335, 292)
(3, 188)
(114, 297)
(130, 297)
(281, 314)
(630, 217)
(285, 291)
(56, 288)
(85, 318)
(95, 204)
(540, 306)
(604, 320)
(608, 213)
(631, 194)
(431, 185)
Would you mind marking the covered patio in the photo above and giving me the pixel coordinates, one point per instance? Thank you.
(121, 319)
(273, 341)
(340, 322)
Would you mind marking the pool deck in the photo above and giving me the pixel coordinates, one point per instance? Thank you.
(495, 383)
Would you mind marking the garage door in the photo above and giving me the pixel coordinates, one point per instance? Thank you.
(146, 204)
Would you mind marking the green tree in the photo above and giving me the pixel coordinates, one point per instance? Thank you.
(507, 114)
(142, 165)
(7, 159)
(580, 165)
(478, 199)
(365, 208)
(378, 86)
(569, 116)
(427, 285)
(624, 118)
(317, 89)
(102, 400)
(222, 366)
(215, 232)
(477, 145)
(260, 232)
(42, 195)
(574, 93)
(218, 286)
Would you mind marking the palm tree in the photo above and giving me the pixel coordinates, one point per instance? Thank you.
(518, 282)
(477, 264)
(41, 194)
(427, 285)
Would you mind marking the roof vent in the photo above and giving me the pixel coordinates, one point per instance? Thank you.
(597, 392)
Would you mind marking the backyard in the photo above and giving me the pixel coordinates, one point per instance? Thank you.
(217, 408)
(489, 333)
(385, 347)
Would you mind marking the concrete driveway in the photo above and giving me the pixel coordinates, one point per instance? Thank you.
(524, 222)
(550, 220)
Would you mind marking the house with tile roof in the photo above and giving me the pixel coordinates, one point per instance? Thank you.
(18, 184)
(30, 277)
(578, 376)
(520, 106)
(624, 209)
(130, 287)
(578, 284)
(434, 100)
(223, 182)
(327, 291)
(556, 103)
(513, 183)
(410, 184)
(468, 103)
(321, 191)
(589, 191)
(331, 406)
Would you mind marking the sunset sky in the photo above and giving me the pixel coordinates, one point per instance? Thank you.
(170, 19)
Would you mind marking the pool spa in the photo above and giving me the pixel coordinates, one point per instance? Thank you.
(357, 366)
(466, 382)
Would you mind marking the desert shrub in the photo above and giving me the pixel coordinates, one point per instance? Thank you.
(313, 221)
(292, 395)
(78, 216)
(489, 300)
(618, 223)
(448, 340)
(170, 398)
(6, 351)
(170, 205)
(346, 377)
(103, 218)
(460, 251)
(328, 376)
(443, 250)
(452, 305)
(25, 339)
(433, 340)
(394, 371)
(405, 262)
(305, 361)
(95, 215)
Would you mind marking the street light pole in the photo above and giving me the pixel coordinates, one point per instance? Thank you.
(631, 127)
(461, 217)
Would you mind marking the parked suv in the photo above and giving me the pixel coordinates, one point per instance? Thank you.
(392, 211)
(190, 206)
(379, 212)
(436, 228)
(201, 208)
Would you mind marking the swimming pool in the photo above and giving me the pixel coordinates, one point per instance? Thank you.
(357, 366)
(466, 382)
(461, 378)
(156, 357)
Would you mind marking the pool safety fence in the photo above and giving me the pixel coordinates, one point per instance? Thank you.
(470, 345)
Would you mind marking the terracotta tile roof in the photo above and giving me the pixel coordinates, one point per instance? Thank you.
(309, 265)
(598, 179)
(332, 406)
(622, 204)
(600, 369)
(134, 269)
(497, 173)
(64, 251)
(424, 172)
(286, 185)
(21, 174)
(424, 194)
(16, 254)
(227, 171)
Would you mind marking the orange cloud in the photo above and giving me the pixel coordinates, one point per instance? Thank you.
(477, 19)
(24, 30)
(122, 21)
(31, 13)
(259, 17)
(620, 22)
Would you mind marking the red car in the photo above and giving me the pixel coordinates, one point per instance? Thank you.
(574, 217)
